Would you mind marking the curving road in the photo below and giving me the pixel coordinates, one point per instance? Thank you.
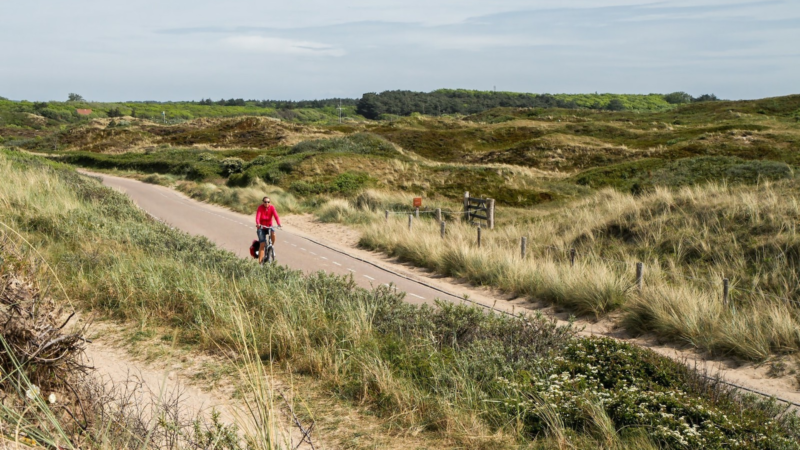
(235, 232)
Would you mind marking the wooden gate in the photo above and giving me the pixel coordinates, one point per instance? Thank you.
(479, 209)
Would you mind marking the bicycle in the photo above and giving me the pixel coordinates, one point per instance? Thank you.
(269, 249)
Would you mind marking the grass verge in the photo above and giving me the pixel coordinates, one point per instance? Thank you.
(480, 380)
(688, 239)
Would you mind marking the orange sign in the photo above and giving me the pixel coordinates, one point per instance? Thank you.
(417, 202)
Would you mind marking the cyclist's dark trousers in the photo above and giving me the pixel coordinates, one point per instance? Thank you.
(262, 235)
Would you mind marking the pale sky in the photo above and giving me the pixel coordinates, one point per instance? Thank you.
(305, 49)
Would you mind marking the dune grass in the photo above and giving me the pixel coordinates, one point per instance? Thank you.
(688, 239)
(476, 380)
(243, 200)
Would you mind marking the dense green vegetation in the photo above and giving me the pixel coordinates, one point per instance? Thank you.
(462, 101)
(14, 113)
(38, 115)
(480, 380)
(339, 166)
(645, 174)
(635, 151)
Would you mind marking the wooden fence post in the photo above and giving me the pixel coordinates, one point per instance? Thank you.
(438, 214)
(490, 213)
(524, 246)
(466, 206)
(479, 235)
(725, 291)
(571, 257)
(639, 275)
(410, 218)
(441, 228)
(387, 215)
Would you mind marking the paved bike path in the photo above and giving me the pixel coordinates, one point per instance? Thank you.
(233, 231)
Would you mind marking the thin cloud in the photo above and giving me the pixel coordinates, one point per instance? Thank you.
(275, 45)
(477, 42)
(733, 48)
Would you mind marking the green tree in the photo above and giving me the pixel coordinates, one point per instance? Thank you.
(615, 105)
(706, 98)
(676, 98)
(73, 97)
(369, 106)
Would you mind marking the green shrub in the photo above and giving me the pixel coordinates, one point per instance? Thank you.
(261, 160)
(360, 143)
(689, 171)
(305, 189)
(61, 116)
(240, 179)
(349, 183)
(639, 176)
(201, 171)
(232, 165)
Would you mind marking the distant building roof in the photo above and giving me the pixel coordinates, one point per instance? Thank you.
(84, 112)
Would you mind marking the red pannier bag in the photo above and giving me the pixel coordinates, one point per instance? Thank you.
(254, 249)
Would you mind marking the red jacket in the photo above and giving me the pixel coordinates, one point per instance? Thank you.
(264, 215)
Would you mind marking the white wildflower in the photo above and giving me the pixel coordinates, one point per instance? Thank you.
(33, 392)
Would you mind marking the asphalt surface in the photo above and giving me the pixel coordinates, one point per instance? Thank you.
(235, 232)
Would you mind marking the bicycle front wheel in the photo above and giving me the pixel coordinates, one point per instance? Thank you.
(269, 256)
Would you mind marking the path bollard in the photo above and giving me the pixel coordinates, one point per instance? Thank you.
(725, 291)
(441, 228)
(410, 218)
(524, 247)
(417, 213)
(387, 215)
(479, 235)
(639, 275)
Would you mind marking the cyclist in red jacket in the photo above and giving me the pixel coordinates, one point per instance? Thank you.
(264, 215)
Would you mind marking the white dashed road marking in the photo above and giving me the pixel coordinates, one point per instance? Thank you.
(367, 276)
(336, 263)
(415, 295)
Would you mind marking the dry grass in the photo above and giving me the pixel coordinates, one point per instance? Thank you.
(243, 200)
(689, 240)
(431, 370)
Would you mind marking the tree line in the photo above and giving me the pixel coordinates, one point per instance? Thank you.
(282, 104)
(449, 101)
(404, 103)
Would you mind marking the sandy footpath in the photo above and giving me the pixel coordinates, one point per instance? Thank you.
(172, 377)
